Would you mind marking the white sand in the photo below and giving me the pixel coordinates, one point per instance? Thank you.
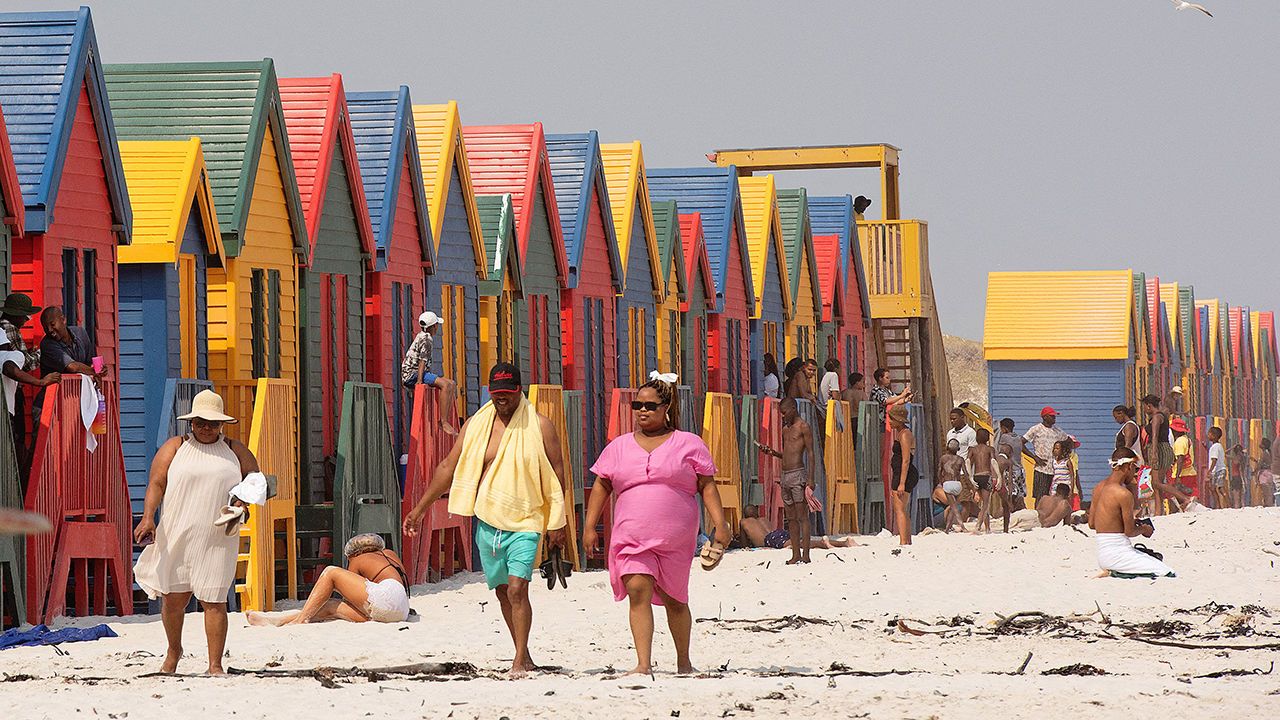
(1228, 557)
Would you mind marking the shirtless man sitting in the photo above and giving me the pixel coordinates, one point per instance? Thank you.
(947, 491)
(754, 533)
(797, 439)
(1111, 515)
(1055, 507)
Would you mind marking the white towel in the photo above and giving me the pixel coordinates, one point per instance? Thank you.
(10, 385)
(252, 489)
(88, 409)
(1116, 553)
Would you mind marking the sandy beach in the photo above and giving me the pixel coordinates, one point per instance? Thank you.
(956, 586)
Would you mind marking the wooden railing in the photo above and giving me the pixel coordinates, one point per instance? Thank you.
(85, 495)
(443, 543)
(366, 483)
(842, 477)
(720, 433)
(267, 410)
(549, 401)
(895, 254)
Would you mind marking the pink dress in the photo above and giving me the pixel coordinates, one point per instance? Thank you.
(655, 515)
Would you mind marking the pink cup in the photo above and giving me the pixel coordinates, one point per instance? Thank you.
(97, 364)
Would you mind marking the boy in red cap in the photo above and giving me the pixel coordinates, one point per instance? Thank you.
(1185, 476)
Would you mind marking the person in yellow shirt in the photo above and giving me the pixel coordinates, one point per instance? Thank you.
(1185, 475)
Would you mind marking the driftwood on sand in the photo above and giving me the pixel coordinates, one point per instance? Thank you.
(328, 676)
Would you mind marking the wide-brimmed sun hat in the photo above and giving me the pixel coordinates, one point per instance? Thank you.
(207, 405)
(19, 304)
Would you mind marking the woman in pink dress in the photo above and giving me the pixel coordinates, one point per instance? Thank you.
(655, 476)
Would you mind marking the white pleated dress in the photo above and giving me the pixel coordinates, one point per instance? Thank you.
(190, 553)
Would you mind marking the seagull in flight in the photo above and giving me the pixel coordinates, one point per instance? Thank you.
(1184, 5)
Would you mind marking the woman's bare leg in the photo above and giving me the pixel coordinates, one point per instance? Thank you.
(904, 520)
(680, 622)
(173, 610)
(215, 632)
(640, 595)
(333, 579)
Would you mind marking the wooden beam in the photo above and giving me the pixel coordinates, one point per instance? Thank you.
(807, 157)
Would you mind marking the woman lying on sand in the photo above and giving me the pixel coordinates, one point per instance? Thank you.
(373, 587)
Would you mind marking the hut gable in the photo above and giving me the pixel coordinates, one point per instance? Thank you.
(234, 107)
(763, 230)
(446, 176)
(582, 197)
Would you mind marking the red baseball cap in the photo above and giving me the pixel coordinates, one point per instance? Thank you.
(1178, 425)
(1048, 410)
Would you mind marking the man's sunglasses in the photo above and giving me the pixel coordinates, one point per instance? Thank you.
(650, 406)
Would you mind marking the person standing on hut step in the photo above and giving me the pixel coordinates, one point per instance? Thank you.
(506, 472)
(187, 554)
(902, 465)
(417, 367)
(797, 480)
(856, 392)
(772, 382)
(18, 363)
(655, 476)
(882, 394)
(1042, 438)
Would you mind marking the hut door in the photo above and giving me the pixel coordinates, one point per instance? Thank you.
(187, 313)
(594, 384)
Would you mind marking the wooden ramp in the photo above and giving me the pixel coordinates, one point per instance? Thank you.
(268, 412)
(86, 497)
(443, 545)
(366, 484)
(841, 469)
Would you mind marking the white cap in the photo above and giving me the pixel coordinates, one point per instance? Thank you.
(1177, 390)
(429, 319)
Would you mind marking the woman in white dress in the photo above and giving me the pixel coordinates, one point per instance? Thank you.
(187, 554)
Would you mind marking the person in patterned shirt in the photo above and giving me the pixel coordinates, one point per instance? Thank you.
(18, 362)
(417, 367)
(882, 393)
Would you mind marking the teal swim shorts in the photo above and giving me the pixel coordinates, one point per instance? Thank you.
(505, 554)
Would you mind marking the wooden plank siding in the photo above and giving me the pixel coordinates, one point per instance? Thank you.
(589, 300)
(460, 253)
(834, 215)
(700, 297)
(539, 334)
(713, 194)
(499, 293)
(395, 293)
(806, 302)
(670, 319)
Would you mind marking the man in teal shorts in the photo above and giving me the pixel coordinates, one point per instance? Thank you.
(506, 473)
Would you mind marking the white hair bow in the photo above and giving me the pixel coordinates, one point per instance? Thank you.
(670, 378)
(1117, 464)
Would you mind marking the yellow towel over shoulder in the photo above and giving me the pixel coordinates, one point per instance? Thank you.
(520, 492)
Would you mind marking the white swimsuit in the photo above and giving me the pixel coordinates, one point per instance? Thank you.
(388, 601)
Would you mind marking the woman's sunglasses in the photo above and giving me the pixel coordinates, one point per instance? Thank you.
(650, 406)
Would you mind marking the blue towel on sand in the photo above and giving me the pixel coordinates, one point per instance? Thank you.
(42, 635)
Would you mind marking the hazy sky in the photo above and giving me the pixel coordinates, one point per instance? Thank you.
(1035, 135)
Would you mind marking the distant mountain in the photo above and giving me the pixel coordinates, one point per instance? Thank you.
(968, 370)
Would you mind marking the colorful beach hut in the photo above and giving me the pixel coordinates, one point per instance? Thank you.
(831, 316)
(164, 287)
(643, 288)
(1082, 364)
(512, 159)
(712, 193)
(589, 301)
(502, 292)
(700, 298)
(802, 274)
(253, 301)
(74, 211)
(460, 258)
(833, 215)
(773, 308)
(341, 250)
(666, 226)
(387, 149)
(63, 140)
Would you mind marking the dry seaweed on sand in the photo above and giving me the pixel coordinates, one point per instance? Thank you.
(328, 676)
(1076, 669)
(769, 625)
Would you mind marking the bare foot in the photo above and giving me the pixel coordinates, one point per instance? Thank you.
(259, 619)
(171, 658)
(216, 671)
(1104, 573)
(794, 561)
(805, 560)
(685, 668)
(639, 670)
